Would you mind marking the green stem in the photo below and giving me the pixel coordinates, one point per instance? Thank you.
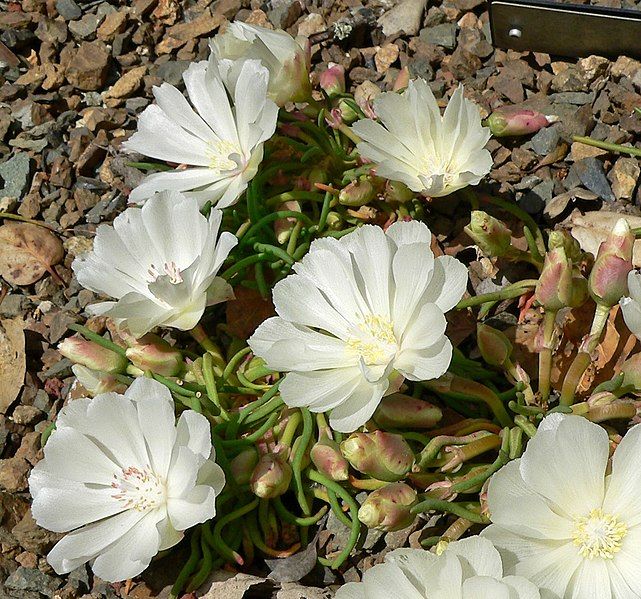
(515, 290)
(199, 334)
(106, 343)
(431, 504)
(545, 357)
(606, 145)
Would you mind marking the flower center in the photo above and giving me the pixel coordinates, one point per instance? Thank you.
(170, 269)
(377, 343)
(599, 534)
(140, 490)
(219, 154)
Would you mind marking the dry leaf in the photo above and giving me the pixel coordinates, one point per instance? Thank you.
(246, 312)
(592, 228)
(12, 361)
(27, 252)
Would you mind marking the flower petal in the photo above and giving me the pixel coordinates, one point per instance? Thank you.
(358, 408)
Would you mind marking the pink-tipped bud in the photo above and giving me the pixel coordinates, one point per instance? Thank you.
(326, 456)
(395, 191)
(631, 370)
(283, 226)
(153, 353)
(562, 238)
(271, 476)
(383, 456)
(92, 355)
(96, 382)
(389, 508)
(357, 193)
(242, 466)
(347, 112)
(332, 80)
(608, 281)
(402, 80)
(334, 221)
(554, 287)
(513, 121)
(403, 411)
(494, 346)
(334, 118)
(491, 236)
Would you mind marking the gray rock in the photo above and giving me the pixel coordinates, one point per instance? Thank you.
(534, 200)
(68, 9)
(592, 174)
(545, 140)
(172, 71)
(441, 35)
(31, 579)
(576, 98)
(85, 27)
(16, 174)
(405, 16)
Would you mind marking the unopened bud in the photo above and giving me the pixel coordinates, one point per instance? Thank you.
(608, 281)
(283, 226)
(154, 353)
(494, 346)
(242, 466)
(631, 370)
(383, 456)
(554, 287)
(395, 191)
(92, 355)
(332, 80)
(96, 382)
(389, 508)
(271, 476)
(348, 113)
(357, 193)
(326, 456)
(491, 236)
(402, 80)
(562, 238)
(403, 411)
(513, 121)
(334, 221)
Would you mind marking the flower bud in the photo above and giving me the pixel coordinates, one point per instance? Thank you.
(347, 112)
(491, 236)
(402, 80)
(562, 238)
(395, 191)
(155, 354)
(494, 346)
(271, 476)
(383, 456)
(334, 221)
(608, 281)
(242, 466)
(388, 508)
(403, 411)
(283, 226)
(509, 120)
(357, 193)
(92, 355)
(554, 287)
(326, 456)
(631, 370)
(96, 382)
(332, 80)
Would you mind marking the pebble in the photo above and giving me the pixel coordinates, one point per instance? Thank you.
(85, 27)
(88, 67)
(172, 71)
(441, 35)
(68, 9)
(545, 140)
(31, 579)
(16, 173)
(592, 174)
(404, 17)
(624, 176)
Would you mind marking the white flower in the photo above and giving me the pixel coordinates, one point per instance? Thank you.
(431, 154)
(221, 142)
(358, 312)
(631, 306)
(286, 58)
(160, 262)
(562, 520)
(467, 569)
(124, 480)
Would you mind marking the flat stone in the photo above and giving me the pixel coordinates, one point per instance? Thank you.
(68, 10)
(545, 140)
(534, 200)
(127, 84)
(16, 173)
(85, 27)
(113, 24)
(579, 151)
(592, 174)
(404, 17)
(203, 25)
(441, 35)
(172, 71)
(31, 579)
(624, 176)
(385, 57)
(88, 67)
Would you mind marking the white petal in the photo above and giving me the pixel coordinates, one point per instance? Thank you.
(631, 310)
(483, 586)
(176, 107)
(211, 475)
(628, 561)
(592, 581)
(193, 431)
(384, 580)
(320, 390)
(176, 180)
(407, 232)
(139, 313)
(426, 363)
(183, 472)
(358, 408)
(478, 557)
(352, 590)
(522, 587)
(448, 283)
(199, 505)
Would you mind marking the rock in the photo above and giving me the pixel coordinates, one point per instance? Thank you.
(31, 579)
(85, 27)
(33, 538)
(113, 24)
(227, 8)
(579, 151)
(311, 24)
(441, 35)
(127, 84)
(404, 17)
(203, 25)
(385, 57)
(284, 13)
(13, 474)
(592, 67)
(88, 67)
(624, 176)
(68, 10)
(592, 174)
(26, 415)
(534, 200)
(16, 174)
(172, 71)
(545, 140)
(467, 4)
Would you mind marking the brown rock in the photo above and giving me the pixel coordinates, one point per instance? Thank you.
(228, 8)
(26, 415)
(33, 538)
(385, 57)
(87, 69)
(203, 25)
(114, 23)
(624, 176)
(579, 151)
(13, 474)
(127, 84)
